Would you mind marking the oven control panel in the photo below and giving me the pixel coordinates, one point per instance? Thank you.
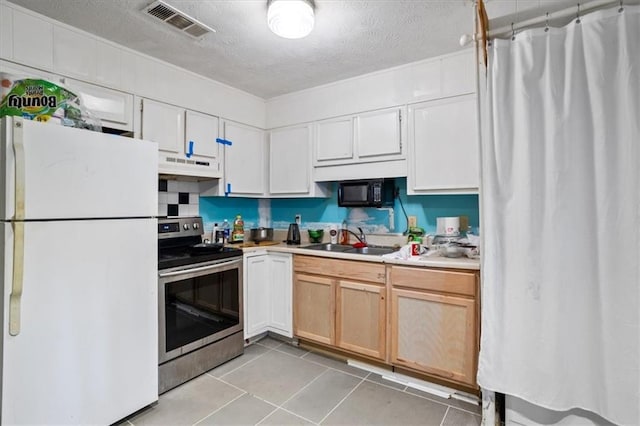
(172, 227)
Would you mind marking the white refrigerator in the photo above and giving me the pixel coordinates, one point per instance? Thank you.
(78, 267)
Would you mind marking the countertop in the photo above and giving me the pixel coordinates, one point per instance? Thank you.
(421, 261)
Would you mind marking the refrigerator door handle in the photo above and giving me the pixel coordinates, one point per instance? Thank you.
(18, 231)
(18, 270)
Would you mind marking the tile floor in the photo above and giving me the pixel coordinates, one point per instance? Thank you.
(274, 383)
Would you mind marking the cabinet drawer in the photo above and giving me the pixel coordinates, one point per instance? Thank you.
(347, 269)
(436, 280)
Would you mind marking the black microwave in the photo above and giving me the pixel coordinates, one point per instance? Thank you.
(366, 193)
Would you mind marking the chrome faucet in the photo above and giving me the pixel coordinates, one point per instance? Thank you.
(361, 238)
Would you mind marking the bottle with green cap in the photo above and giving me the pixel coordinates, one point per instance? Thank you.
(237, 236)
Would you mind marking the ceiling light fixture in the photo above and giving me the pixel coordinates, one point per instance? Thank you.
(290, 18)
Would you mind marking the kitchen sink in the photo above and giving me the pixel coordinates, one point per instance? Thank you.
(370, 250)
(376, 251)
(329, 247)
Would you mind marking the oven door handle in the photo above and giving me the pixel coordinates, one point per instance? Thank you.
(200, 269)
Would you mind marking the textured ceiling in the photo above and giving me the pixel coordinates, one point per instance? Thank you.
(351, 37)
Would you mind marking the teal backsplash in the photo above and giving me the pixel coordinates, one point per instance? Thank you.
(216, 209)
(318, 212)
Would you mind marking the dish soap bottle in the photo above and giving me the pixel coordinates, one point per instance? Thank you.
(225, 231)
(237, 236)
(344, 234)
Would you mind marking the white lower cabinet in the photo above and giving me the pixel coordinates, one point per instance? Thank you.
(267, 293)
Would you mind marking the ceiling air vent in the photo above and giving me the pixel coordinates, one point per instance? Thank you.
(178, 20)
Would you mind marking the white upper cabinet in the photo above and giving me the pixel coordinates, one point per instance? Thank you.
(290, 168)
(354, 146)
(334, 140)
(457, 75)
(112, 107)
(443, 139)
(379, 134)
(73, 53)
(202, 135)
(6, 32)
(108, 66)
(244, 160)
(186, 139)
(290, 160)
(361, 138)
(164, 124)
(32, 40)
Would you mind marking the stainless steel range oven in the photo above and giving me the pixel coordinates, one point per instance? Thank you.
(199, 301)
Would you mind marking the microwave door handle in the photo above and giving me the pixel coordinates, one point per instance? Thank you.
(200, 269)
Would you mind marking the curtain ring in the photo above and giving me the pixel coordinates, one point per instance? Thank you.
(578, 14)
(621, 7)
(513, 32)
(546, 23)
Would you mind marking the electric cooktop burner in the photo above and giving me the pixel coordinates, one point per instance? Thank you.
(180, 244)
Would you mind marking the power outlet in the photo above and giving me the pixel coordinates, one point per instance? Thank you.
(413, 221)
(299, 219)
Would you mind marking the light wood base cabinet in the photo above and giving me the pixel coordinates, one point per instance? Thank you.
(422, 320)
(313, 308)
(434, 322)
(360, 318)
(341, 303)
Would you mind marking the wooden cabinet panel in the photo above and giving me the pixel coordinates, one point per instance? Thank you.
(314, 308)
(434, 279)
(434, 333)
(346, 269)
(361, 317)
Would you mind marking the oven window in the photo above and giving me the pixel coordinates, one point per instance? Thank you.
(200, 307)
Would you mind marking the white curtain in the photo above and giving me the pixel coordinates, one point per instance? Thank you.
(561, 217)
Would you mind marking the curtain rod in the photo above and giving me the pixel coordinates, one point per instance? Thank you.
(563, 13)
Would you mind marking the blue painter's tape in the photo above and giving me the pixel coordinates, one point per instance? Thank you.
(189, 152)
(224, 141)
